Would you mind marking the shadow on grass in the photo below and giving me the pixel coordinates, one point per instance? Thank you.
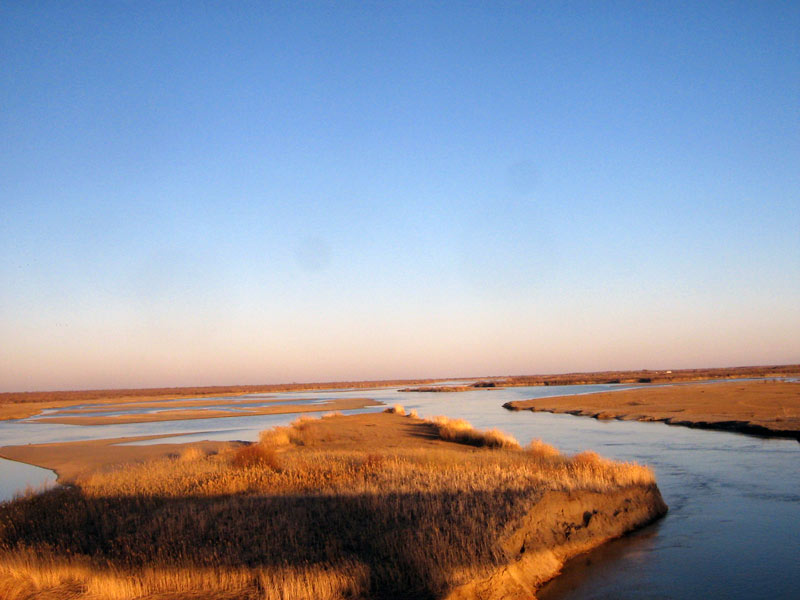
(411, 544)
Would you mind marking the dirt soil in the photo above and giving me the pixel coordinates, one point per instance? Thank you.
(767, 408)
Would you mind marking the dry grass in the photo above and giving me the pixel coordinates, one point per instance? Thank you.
(256, 456)
(648, 376)
(289, 517)
(460, 431)
(542, 450)
(191, 453)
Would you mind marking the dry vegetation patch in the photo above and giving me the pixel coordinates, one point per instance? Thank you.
(304, 513)
(766, 408)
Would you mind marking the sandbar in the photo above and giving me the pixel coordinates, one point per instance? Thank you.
(73, 460)
(19, 405)
(182, 415)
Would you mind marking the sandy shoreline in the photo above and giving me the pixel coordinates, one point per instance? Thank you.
(73, 460)
(764, 408)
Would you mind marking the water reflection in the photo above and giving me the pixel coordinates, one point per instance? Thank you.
(17, 477)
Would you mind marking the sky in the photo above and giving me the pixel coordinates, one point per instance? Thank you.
(214, 193)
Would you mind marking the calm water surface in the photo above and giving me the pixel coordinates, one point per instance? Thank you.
(733, 530)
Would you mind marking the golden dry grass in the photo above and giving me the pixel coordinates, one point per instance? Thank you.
(460, 431)
(289, 517)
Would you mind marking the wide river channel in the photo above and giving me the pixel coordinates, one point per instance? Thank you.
(733, 528)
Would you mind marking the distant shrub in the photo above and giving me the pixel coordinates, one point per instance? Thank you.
(256, 455)
(191, 453)
(413, 414)
(302, 422)
(588, 458)
(397, 409)
(302, 433)
(280, 436)
(539, 449)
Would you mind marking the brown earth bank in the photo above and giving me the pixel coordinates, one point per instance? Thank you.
(766, 408)
(367, 506)
(209, 413)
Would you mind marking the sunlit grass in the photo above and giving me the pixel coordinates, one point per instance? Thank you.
(288, 517)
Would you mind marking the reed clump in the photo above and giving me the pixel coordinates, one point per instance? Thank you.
(292, 516)
(462, 432)
(255, 456)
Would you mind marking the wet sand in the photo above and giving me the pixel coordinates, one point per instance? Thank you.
(767, 408)
(73, 460)
(182, 415)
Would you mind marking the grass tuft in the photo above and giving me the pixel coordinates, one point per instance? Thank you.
(462, 432)
(539, 449)
(191, 453)
(256, 456)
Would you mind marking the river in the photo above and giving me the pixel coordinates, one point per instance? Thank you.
(733, 529)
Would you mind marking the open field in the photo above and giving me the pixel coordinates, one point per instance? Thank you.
(367, 506)
(770, 408)
(211, 413)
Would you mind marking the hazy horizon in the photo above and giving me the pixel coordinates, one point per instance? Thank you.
(221, 195)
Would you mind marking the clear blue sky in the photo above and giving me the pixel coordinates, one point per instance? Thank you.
(219, 193)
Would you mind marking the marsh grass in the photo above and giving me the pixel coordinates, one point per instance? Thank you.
(462, 432)
(289, 517)
(256, 456)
